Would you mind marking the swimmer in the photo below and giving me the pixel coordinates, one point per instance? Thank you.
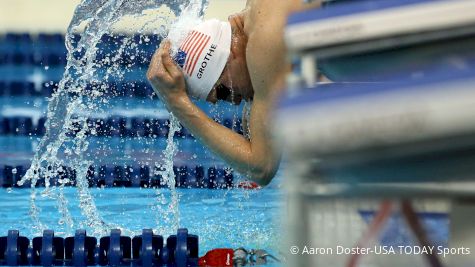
(241, 59)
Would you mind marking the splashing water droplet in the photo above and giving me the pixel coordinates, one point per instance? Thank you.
(78, 97)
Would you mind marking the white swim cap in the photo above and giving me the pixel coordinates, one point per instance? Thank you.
(203, 55)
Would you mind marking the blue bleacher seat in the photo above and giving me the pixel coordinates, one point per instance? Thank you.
(140, 127)
(117, 126)
(19, 58)
(3, 58)
(29, 88)
(143, 89)
(160, 127)
(128, 173)
(184, 133)
(110, 175)
(153, 41)
(146, 49)
(98, 127)
(211, 181)
(198, 176)
(50, 38)
(39, 129)
(149, 92)
(143, 174)
(48, 89)
(112, 89)
(144, 56)
(181, 176)
(109, 44)
(3, 88)
(138, 89)
(130, 89)
(45, 58)
(127, 89)
(21, 126)
(156, 177)
(37, 54)
(120, 176)
(133, 89)
(76, 38)
(18, 38)
(79, 53)
(91, 176)
(129, 56)
(101, 175)
(4, 126)
(17, 88)
(101, 56)
(223, 180)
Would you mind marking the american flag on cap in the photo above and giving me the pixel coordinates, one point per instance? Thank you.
(190, 51)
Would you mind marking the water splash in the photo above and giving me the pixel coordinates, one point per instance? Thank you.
(66, 142)
(171, 214)
(246, 119)
(37, 226)
(62, 204)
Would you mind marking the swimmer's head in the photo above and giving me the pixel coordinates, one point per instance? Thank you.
(203, 55)
(234, 84)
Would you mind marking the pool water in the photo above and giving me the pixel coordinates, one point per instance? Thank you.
(229, 218)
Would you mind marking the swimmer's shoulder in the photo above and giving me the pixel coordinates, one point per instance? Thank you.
(256, 10)
(261, 12)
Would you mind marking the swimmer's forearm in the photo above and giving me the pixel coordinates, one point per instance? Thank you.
(234, 148)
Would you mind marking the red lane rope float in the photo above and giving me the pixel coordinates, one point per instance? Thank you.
(220, 257)
(248, 185)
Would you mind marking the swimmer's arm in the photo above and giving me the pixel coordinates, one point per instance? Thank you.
(232, 147)
(268, 66)
(266, 54)
(168, 81)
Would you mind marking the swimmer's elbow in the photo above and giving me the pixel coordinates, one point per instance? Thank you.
(263, 180)
(263, 176)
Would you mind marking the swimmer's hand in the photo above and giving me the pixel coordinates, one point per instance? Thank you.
(166, 77)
